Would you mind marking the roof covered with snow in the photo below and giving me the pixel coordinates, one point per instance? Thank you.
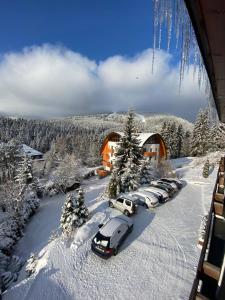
(30, 151)
(110, 227)
(142, 137)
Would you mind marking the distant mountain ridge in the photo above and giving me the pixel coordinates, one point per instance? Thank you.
(146, 121)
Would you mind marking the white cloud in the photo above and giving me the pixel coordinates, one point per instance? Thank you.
(50, 81)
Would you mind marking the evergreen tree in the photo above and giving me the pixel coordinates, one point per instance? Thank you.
(165, 132)
(130, 178)
(23, 178)
(66, 221)
(186, 144)
(173, 140)
(200, 140)
(179, 139)
(128, 157)
(113, 185)
(146, 172)
(81, 213)
(217, 137)
(74, 213)
(205, 172)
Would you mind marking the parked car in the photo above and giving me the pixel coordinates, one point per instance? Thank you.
(164, 187)
(125, 204)
(145, 199)
(110, 236)
(171, 184)
(161, 194)
(173, 180)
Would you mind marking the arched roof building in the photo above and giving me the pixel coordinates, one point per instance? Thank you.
(152, 144)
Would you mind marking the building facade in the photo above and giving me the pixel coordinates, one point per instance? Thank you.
(153, 146)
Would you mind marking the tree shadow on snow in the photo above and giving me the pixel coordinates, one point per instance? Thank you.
(141, 221)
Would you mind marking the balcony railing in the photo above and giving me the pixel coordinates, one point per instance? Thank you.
(209, 282)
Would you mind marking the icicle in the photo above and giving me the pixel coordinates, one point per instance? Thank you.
(155, 3)
(173, 14)
(169, 24)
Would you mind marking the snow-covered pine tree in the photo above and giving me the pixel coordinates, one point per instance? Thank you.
(66, 220)
(200, 139)
(23, 178)
(186, 144)
(146, 172)
(24, 173)
(165, 132)
(179, 140)
(217, 137)
(173, 140)
(205, 172)
(168, 133)
(113, 185)
(81, 213)
(130, 179)
(128, 157)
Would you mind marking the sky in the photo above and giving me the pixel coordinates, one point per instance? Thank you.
(62, 58)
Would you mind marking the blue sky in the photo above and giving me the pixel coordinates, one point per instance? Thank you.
(96, 28)
(61, 58)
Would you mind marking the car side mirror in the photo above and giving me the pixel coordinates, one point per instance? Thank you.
(100, 225)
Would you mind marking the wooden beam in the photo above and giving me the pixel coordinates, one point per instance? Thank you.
(219, 197)
(201, 297)
(211, 270)
(218, 208)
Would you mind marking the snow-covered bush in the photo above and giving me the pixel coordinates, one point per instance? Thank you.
(68, 171)
(205, 172)
(9, 234)
(31, 264)
(51, 189)
(54, 235)
(9, 268)
(30, 204)
(202, 228)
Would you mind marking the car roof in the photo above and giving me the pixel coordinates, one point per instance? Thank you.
(111, 226)
(156, 189)
(126, 197)
(146, 194)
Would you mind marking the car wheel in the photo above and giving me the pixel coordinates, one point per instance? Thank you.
(115, 251)
(130, 228)
(110, 204)
(126, 213)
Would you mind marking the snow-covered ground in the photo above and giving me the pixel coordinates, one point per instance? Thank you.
(157, 260)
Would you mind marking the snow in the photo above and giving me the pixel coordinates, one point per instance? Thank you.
(30, 151)
(111, 226)
(142, 137)
(157, 260)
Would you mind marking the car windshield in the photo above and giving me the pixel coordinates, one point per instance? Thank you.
(102, 240)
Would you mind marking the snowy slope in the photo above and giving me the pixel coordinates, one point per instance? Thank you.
(157, 261)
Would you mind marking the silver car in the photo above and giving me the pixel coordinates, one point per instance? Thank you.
(125, 204)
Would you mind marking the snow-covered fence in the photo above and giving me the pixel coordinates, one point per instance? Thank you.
(202, 230)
